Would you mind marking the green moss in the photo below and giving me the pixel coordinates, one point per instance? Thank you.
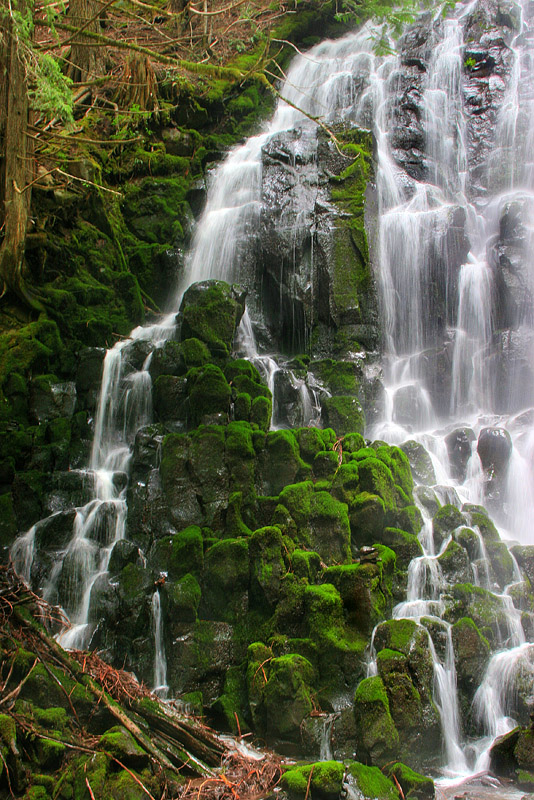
(208, 392)
(183, 598)
(398, 634)
(341, 377)
(51, 754)
(210, 312)
(120, 743)
(297, 499)
(377, 734)
(261, 412)
(54, 717)
(195, 353)
(372, 783)
(310, 442)
(326, 780)
(305, 564)
(344, 414)
(414, 785)
(225, 579)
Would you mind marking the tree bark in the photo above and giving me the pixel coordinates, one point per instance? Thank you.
(86, 63)
(16, 153)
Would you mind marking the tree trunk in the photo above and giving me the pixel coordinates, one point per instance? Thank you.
(16, 160)
(86, 60)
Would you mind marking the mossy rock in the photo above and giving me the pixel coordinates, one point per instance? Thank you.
(279, 463)
(175, 476)
(231, 705)
(455, 564)
(371, 783)
(179, 554)
(120, 743)
(367, 515)
(478, 516)
(501, 561)
(377, 736)
(405, 545)
(376, 479)
(306, 564)
(329, 528)
(414, 785)
(485, 609)
(364, 593)
(261, 411)
(182, 599)
(344, 414)
(208, 394)
(346, 483)
(325, 465)
(471, 653)
(225, 580)
(266, 565)
(211, 311)
(310, 442)
(320, 781)
(445, 521)
(287, 696)
(420, 462)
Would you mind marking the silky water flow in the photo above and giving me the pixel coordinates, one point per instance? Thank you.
(346, 81)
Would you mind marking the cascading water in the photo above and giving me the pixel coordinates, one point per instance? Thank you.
(447, 212)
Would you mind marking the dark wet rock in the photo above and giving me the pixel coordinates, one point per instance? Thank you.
(170, 399)
(50, 399)
(471, 652)
(459, 448)
(123, 553)
(89, 376)
(211, 311)
(454, 563)
(167, 360)
(147, 450)
(494, 448)
(55, 532)
(420, 462)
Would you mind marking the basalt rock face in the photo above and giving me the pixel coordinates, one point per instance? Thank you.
(318, 291)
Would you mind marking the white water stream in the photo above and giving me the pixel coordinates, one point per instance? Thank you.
(346, 81)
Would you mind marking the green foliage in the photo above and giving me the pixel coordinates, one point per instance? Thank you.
(51, 93)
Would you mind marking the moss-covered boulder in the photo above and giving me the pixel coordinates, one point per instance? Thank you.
(344, 414)
(211, 311)
(323, 780)
(208, 395)
(225, 580)
(377, 737)
(279, 463)
(471, 653)
(283, 691)
(445, 521)
(420, 462)
(414, 786)
(266, 565)
(485, 609)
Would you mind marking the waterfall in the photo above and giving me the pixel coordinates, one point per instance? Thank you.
(449, 201)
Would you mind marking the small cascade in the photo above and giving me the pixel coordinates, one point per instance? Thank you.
(22, 553)
(446, 700)
(160, 662)
(496, 696)
(296, 400)
(326, 752)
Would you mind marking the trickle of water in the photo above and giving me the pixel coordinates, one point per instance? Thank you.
(160, 662)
